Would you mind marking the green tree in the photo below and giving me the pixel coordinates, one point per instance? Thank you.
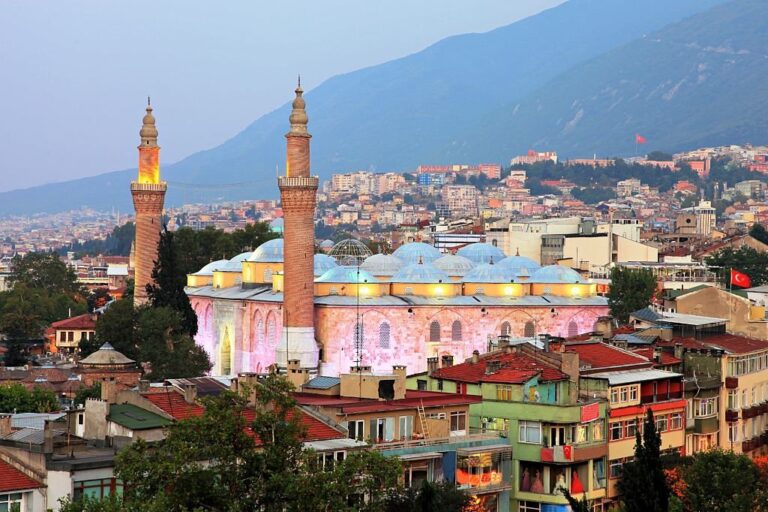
(660, 156)
(642, 484)
(169, 280)
(746, 259)
(85, 393)
(44, 271)
(16, 354)
(249, 446)
(429, 497)
(577, 505)
(631, 290)
(721, 481)
(759, 232)
(116, 326)
(16, 398)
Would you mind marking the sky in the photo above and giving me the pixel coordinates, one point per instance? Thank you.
(76, 74)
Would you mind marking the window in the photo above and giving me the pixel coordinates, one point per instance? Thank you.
(733, 432)
(557, 436)
(615, 395)
(10, 502)
(409, 290)
(530, 432)
(80, 419)
(384, 335)
(326, 460)
(616, 468)
(733, 400)
(458, 421)
(630, 428)
(633, 393)
(530, 330)
(382, 429)
(406, 427)
(62, 336)
(504, 392)
(268, 275)
(706, 407)
(456, 331)
(597, 430)
(71, 336)
(97, 488)
(573, 329)
(355, 428)
(676, 421)
(661, 424)
(434, 331)
(529, 506)
(421, 385)
(615, 431)
(582, 434)
(624, 394)
(506, 329)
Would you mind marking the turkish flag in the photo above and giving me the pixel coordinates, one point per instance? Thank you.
(740, 279)
(640, 139)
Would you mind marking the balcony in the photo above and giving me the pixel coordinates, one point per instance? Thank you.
(731, 415)
(731, 382)
(652, 399)
(707, 425)
(574, 453)
(470, 438)
(750, 412)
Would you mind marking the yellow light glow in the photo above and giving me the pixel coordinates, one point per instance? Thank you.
(509, 290)
(438, 291)
(364, 290)
(575, 291)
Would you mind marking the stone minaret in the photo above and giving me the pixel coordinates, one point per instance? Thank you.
(298, 191)
(148, 196)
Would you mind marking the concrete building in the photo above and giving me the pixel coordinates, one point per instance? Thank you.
(148, 193)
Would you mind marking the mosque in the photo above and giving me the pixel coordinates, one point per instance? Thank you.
(282, 303)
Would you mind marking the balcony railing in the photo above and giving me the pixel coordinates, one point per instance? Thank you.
(731, 415)
(731, 382)
(649, 399)
(430, 441)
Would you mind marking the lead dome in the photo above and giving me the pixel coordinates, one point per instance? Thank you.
(346, 274)
(481, 252)
(322, 264)
(269, 252)
(555, 274)
(415, 251)
(454, 265)
(489, 273)
(382, 264)
(212, 267)
(519, 265)
(423, 273)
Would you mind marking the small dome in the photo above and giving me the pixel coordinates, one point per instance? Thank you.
(382, 264)
(326, 244)
(350, 252)
(269, 252)
(415, 251)
(481, 253)
(454, 265)
(555, 274)
(106, 355)
(242, 256)
(236, 263)
(519, 265)
(211, 267)
(323, 263)
(421, 273)
(346, 275)
(489, 273)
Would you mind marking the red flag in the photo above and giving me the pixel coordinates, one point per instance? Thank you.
(740, 279)
(640, 139)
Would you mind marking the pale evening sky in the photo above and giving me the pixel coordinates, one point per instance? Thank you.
(75, 74)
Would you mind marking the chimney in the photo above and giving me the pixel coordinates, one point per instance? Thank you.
(432, 365)
(399, 370)
(656, 355)
(5, 424)
(447, 361)
(47, 437)
(190, 393)
(679, 350)
(665, 333)
(475, 356)
(109, 391)
(296, 374)
(143, 386)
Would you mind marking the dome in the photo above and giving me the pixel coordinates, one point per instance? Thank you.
(346, 274)
(489, 273)
(350, 252)
(276, 225)
(481, 253)
(555, 274)
(106, 355)
(269, 252)
(323, 263)
(235, 264)
(454, 265)
(382, 264)
(412, 252)
(242, 256)
(326, 244)
(519, 265)
(421, 273)
(209, 268)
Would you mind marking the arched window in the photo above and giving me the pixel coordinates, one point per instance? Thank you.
(506, 329)
(384, 335)
(268, 275)
(226, 354)
(257, 325)
(530, 330)
(434, 331)
(573, 329)
(456, 331)
(259, 333)
(359, 341)
(271, 331)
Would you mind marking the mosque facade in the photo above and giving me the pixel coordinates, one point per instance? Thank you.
(282, 302)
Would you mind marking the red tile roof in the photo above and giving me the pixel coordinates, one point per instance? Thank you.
(174, 404)
(412, 400)
(11, 479)
(731, 343)
(513, 369)
(666, 357)
(599, 355)
(81, 322)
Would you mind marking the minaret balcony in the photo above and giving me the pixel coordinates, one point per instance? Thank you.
(298, 181)
(149, 187)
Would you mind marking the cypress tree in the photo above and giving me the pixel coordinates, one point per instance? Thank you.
(642, 485)
(169, 280)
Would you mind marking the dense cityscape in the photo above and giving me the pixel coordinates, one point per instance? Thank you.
(545, 333)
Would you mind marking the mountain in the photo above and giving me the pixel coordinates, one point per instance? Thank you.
(698, 82)
(399, 114)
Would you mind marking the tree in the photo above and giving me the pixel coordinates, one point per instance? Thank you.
(44, 271)
(643, 485)
(167, 289)
(16, 355)
(720, 481)
(429, 497)
(631, 290)
(577, 505)
(249, 445)
(759, 232)
(659, 156)
(745, 259)
(15, 398)
(85, 393)
(116, 326)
